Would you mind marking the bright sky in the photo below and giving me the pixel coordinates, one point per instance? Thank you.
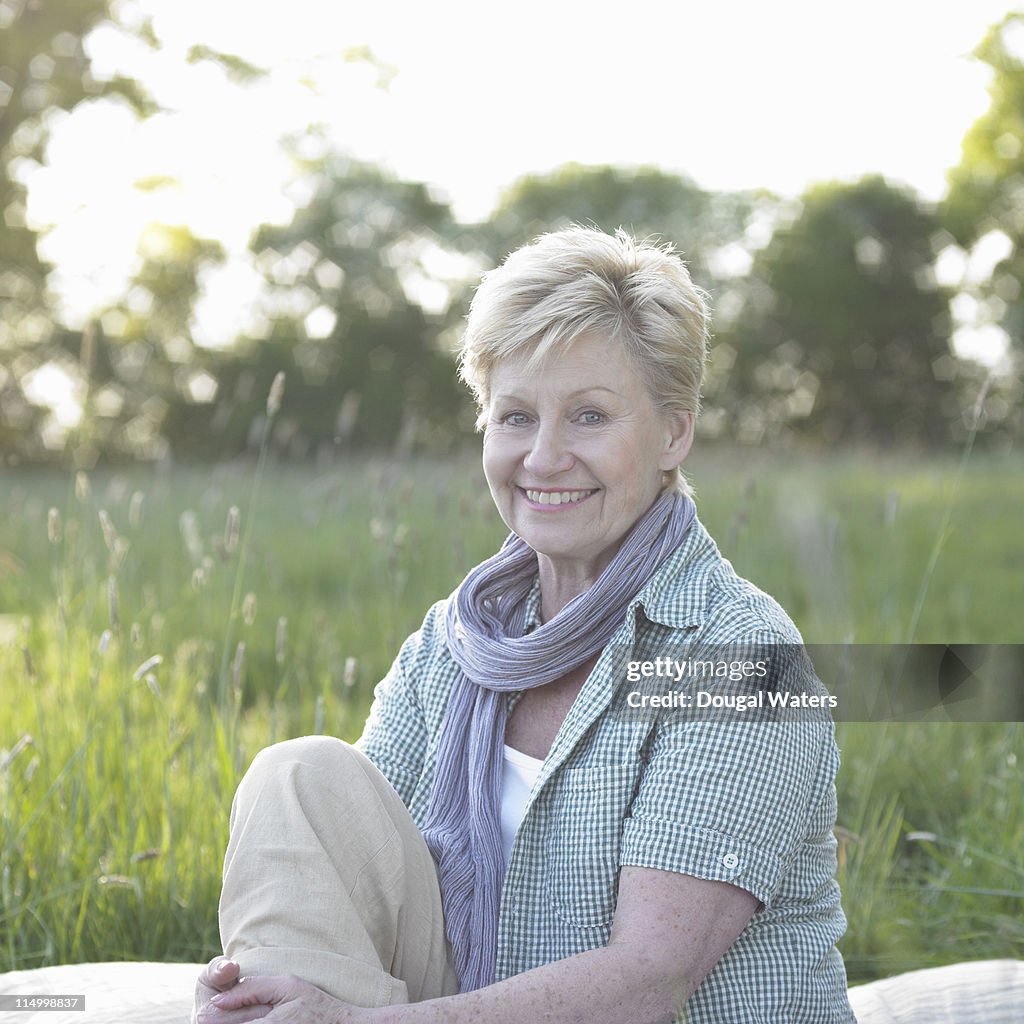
(736, 93)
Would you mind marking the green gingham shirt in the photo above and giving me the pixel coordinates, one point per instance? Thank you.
(752, 804)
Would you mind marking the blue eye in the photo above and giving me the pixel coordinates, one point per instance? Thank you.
(591, 418)
(515, 419)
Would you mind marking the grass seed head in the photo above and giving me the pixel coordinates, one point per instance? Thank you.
(275, 395)
(113, 604)
(190, 535)
(232, 529)
(7, 756)
(281, 643)
(117, 881)
(351, 669)
(109, 532)
(147, 666)
(135, 510)
(249, 608)
(53, 526)
(120, 550)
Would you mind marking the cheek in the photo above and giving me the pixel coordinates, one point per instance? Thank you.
(497, 459)
(633, 465)
(620, 457)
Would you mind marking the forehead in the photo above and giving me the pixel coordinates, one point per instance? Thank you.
(591, 361)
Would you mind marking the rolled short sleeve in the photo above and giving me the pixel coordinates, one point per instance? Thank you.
(729, 801)
(396, 734)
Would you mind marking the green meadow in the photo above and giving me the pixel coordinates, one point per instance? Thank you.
(159, 626)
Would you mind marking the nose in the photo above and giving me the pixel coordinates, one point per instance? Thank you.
(549, 454)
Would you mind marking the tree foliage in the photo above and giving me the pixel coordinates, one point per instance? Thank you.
(345, 319)
(986, 189)
(844, 333)
(646, 201)
(829, 324)
(43, 69)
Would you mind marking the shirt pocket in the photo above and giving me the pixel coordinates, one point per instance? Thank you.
(583, 841)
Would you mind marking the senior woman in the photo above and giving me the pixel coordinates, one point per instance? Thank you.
(502, 844)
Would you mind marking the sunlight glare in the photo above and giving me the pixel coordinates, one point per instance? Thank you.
(53, 387)
(986, 254)
(987, 344)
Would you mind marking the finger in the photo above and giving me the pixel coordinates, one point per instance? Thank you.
(266, 989)
(211, 1014)
(220, 973)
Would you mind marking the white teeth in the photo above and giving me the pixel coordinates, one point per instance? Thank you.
(557, 497)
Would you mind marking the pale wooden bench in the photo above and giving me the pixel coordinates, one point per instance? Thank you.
(979, 992)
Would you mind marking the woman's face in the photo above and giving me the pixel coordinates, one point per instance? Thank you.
(575, 452)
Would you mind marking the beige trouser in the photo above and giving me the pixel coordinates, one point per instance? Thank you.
(327, 877)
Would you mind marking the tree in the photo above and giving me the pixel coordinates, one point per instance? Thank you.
(352, 317)
(645, 201)
(986, 201)
(844, 335)
(145, 374)
(43, 69)
(986, 190)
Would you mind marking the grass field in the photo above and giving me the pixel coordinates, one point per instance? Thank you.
(152, 640)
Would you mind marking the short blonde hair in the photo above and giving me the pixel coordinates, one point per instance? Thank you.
(582, 281)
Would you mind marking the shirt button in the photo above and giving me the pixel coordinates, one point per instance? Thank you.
(730, 860)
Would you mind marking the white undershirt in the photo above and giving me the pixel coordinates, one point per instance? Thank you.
(518, 775)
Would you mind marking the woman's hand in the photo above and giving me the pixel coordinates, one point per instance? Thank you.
(279, 999)
(216, 977)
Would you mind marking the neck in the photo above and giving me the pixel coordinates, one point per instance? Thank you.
(560, 583)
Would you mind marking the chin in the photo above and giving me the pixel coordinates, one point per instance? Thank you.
(567, 547)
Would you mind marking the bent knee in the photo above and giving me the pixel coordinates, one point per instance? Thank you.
(294, 765)
(322, 752)
(330, 780)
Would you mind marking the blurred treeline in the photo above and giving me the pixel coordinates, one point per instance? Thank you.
(834, 314)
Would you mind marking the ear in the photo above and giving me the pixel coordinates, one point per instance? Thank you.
(678, 437)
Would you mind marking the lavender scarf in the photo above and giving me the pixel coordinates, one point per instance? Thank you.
(485, 634)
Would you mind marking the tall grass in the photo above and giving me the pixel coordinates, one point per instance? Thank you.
(147, 653)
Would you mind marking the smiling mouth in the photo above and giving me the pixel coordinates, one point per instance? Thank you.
(555, 499)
